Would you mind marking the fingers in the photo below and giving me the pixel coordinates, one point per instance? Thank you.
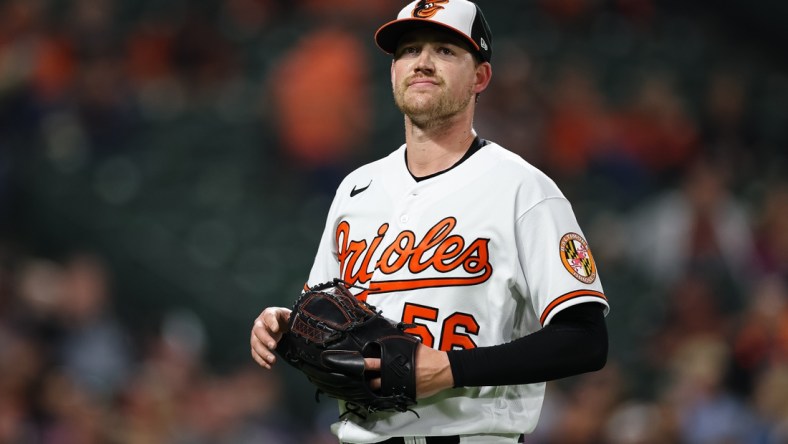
(260, 353)
(372, 365)
(266, 333)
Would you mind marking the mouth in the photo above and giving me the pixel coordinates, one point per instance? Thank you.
(422, 81)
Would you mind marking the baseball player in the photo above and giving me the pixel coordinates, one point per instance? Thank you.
(474, 247)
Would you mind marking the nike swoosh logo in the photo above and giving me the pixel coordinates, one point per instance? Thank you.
(355, 190)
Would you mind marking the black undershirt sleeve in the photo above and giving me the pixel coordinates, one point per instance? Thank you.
(574, 342)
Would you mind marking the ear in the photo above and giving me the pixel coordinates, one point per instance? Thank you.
(483, 76)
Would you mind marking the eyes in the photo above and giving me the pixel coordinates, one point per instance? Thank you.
(414, 50)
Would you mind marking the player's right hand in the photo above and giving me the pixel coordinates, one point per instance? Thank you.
(266, 333)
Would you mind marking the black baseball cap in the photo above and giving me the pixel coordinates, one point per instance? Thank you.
(462, 17)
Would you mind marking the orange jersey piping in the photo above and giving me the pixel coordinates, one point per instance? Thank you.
(572, 295)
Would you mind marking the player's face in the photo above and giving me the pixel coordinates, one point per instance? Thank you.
(433, 76)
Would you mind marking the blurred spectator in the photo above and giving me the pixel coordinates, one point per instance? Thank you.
(692, 311)
(22, 360)
(726, 127)
(761, 337)
(175, 398)
(149, 49)
(591, 398)
(699, 228)
(579, 122)
(638, 422)
(95, 349)
(243, 407)
(320, 91)
(38, 290)
(655, 130)
(71, 414)
(706, 411)
(770, 402)
(104, 103)
(512, 107)
(772, 230)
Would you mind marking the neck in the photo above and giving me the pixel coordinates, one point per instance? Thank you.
(434, 148)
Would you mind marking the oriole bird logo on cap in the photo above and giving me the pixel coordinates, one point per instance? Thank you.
(425, 9)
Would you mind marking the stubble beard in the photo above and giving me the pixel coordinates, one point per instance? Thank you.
(428, 111)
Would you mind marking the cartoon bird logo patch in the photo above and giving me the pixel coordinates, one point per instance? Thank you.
(425, 9)
(577, 259)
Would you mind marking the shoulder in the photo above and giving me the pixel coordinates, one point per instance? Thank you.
(376, 168)
(514, 170)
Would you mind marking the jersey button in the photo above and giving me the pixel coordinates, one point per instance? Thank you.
(404, 219)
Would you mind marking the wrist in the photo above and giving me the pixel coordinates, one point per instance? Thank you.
(433, 371)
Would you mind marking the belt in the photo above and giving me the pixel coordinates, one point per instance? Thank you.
(430, 440)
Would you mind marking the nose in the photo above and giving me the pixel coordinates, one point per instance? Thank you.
(423, 63)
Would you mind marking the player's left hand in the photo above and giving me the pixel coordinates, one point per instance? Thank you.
(433, 372)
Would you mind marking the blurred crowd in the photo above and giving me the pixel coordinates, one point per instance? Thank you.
(669, 141)
(71, 373)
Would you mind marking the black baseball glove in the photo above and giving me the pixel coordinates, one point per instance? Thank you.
(331, 332)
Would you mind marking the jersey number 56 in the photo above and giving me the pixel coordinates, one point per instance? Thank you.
(455, 332)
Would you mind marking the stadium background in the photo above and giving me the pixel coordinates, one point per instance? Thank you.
(165, 169)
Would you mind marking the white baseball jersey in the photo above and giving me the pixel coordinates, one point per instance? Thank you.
(479, 255)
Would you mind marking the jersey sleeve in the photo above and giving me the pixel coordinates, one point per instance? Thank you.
(326, 265)
(556, 260)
